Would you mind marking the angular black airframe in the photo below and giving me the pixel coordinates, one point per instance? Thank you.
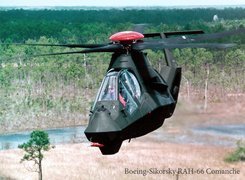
(133, 100)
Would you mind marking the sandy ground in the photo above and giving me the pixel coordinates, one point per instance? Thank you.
(143, 158)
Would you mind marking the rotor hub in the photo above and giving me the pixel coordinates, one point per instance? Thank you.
(126, 36)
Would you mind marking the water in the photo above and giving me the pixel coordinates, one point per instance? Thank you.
(56, 136)
(218, 135)
(224, 135)
(231, 130)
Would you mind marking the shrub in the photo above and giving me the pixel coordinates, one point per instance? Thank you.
(238, 154)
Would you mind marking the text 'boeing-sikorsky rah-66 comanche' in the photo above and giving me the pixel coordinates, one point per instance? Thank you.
(135, 99)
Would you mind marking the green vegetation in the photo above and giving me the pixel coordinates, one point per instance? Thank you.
(238, 154)
(39, 142)
(59, 90)
(83, 25)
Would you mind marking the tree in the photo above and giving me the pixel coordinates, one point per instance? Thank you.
(39, 142)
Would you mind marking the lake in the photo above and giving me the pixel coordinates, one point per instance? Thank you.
(56, 136)
(218, 135)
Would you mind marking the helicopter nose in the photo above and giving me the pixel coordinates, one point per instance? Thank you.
(102, 121)
(101, 126)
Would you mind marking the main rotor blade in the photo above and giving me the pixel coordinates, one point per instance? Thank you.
(163, 45)
(58, 45)
(202, 37)
(108, 48)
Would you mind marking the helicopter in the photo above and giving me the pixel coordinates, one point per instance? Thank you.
(134, 99)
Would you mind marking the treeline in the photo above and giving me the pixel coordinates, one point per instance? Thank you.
(19, 25)
(59, 90)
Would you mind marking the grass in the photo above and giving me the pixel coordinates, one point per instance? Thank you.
(238, 154)
(79, 161)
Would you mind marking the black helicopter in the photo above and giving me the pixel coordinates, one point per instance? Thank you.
(134, 98)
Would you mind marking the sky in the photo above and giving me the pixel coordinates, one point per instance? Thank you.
(118, 3)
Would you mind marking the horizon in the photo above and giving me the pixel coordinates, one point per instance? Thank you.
(125, 3)
(237, 5)
(121, 7)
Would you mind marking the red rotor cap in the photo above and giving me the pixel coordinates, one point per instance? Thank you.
(126, 36)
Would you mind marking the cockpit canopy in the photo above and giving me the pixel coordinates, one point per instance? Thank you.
(108, 90)
(122, 86)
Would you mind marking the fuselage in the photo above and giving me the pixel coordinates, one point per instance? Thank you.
(132, 101)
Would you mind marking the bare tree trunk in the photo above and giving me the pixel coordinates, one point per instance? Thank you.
(40, 176)
(206, 89)
(187, 88)
(40, 172)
